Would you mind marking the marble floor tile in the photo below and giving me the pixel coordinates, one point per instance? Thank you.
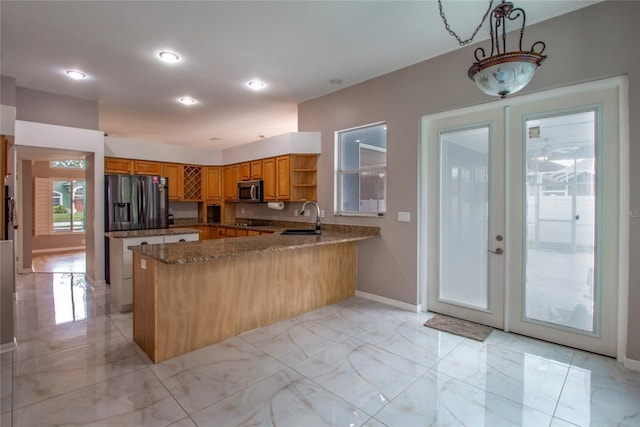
(283, 399)
(438, 400)
(6, 382)
(294, 340)
(133, 399)
(605, 366)
(124, 323)
(348, 317)
(47, 340)
(361, 374)
(44, 377)
(524, 378)
(185, 422)
(412, 341)
(522, 344)
(203, 377)
(589, 399)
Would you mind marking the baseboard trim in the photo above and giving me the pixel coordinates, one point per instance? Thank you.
(392, 302)
(9, 346)
(632, 364)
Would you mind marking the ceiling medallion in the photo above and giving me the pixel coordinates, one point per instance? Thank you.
(502, 73)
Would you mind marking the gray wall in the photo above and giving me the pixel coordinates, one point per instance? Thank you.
(7, 91)
(592, 43)
(54, 109)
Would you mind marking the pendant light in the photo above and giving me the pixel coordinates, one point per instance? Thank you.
(502, 73)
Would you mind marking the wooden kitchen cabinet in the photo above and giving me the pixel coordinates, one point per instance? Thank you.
(304, 176)
(192, 183)
(269, 179)
(213, 184)
(146, 167)
(245, 171)
(283, 181)
(231, 176)
(173, 171)
(118, 166)
(256, 169)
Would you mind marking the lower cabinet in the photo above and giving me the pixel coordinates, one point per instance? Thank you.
(121, 270)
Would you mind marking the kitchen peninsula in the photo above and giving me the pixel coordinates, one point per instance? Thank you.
(190, 295)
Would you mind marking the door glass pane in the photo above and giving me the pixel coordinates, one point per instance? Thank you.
(464, 190)
(560, 218)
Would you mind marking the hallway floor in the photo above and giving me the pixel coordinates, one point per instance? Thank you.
(353, 363)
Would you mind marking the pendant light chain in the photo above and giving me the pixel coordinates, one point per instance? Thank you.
(448, 28)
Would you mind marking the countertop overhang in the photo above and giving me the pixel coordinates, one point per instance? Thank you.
(215, 249)
(127, 234)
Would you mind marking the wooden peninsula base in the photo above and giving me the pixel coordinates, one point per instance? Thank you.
(178, 308)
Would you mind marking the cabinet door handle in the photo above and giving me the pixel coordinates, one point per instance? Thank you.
(144, 243)
(182, 240)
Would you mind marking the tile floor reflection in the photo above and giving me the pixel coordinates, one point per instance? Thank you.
(355, 363)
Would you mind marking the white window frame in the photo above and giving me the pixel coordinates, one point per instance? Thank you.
(337, 209)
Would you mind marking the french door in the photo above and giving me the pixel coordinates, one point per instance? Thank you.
(522, 217)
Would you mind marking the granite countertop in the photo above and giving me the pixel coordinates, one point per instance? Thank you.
(125, 234)
(206, 250)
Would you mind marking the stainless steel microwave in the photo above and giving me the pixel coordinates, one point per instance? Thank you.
(250, 191)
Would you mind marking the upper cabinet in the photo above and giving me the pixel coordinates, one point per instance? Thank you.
(251, 170)
(269, 177)
(213, 184)
(290, 178)
(146, 167)
(245, 171)
(173, 171)
(283, 182)
(192, 183)
(256, 169)
(118, 166)
(231, 178)
(304, 177)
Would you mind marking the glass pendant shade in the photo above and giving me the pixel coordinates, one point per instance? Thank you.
(502, 75)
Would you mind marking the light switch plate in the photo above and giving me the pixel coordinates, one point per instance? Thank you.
(404, 216)
(143, 264)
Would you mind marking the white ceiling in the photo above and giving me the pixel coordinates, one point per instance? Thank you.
(296, 47)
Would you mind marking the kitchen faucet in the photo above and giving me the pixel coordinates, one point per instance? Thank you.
(318, 227)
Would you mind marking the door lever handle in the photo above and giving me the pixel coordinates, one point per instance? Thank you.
(498, 251)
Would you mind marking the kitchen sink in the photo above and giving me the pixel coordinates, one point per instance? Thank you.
(301, 231)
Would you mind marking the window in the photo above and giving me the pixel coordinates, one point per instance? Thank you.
(361, 170)
(69, 164)
(58, 206)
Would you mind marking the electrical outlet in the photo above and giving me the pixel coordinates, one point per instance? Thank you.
(83, 241)
(242, 210)
(321, 213)
(295, 212)
(143, 264)
(307, 212)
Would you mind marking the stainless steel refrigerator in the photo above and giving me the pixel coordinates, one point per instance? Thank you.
(134, 202)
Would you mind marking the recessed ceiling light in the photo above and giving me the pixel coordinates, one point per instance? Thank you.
(256, 84)
(169, 57)
(76, 75)
(187, 101)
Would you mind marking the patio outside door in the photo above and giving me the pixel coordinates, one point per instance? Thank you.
(522, 218)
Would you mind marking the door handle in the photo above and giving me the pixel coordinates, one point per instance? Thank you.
(498, 251)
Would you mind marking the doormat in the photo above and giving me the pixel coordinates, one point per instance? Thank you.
(464, 328)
